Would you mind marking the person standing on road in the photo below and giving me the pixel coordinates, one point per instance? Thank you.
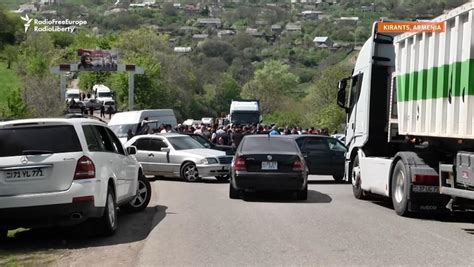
(110, 110)
(274, 131)
(102, 111)
(91, 110)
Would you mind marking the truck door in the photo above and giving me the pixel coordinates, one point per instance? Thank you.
(353, 97)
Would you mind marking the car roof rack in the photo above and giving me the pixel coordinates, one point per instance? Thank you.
(79, 115)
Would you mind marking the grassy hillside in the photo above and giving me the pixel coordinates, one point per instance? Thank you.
(12, 4)
(8, 81)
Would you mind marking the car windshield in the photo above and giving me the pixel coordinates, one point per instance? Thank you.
(122, 129)
(184, 142)
(38, 140)
(244, 117)
(268, 144)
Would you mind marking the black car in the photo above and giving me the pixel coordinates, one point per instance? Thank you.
(268, 163)
(227, 149)
(324, 155)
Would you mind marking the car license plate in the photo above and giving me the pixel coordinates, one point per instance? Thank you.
(24, 174)
(269, 165)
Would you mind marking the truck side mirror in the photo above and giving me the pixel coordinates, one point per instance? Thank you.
(341, 93)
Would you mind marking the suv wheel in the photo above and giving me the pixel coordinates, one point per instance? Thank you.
(142, 198)
(108, 222)
(189, 172)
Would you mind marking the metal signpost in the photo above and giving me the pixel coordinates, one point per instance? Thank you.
(89, 57)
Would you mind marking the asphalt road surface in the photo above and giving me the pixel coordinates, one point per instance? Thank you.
(196, 224)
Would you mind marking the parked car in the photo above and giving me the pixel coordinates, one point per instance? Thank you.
(268, 163)
(64, 172)
(207, 144)
(178, 155)
(92, 102)
(323, 154)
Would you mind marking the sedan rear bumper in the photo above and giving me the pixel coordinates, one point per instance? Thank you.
(264, 181)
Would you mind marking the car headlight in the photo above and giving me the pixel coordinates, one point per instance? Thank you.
(209, 161)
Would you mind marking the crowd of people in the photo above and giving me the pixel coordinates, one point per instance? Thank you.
(230, 135)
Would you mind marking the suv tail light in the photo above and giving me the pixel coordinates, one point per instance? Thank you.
(85, 169)
(298, 165)
(239, 164)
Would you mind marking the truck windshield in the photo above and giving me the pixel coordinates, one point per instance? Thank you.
(104, 94)
(245, 117)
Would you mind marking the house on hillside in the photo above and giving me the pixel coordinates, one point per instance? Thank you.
(254, 32)
(209, 22)
(182, 49)
(200, 36)
(347, 20)
(28, 8)
(225, 33)
(322, 42)
(276, 28)
(293, 27)
(311, 14)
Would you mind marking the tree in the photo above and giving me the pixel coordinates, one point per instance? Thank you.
(10, 53)
(272, 85)
(322, 110)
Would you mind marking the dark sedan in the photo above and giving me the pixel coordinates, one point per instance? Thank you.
(323, 154)
(207, 144)
(268, 163)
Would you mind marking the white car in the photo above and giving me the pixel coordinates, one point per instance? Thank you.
(65, 171)
(178, 155)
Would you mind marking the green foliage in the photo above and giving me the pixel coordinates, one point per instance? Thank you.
(10, 54)
(15, 107)
(273, 85)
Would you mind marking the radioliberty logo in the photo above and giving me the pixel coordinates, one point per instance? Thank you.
(52, 25)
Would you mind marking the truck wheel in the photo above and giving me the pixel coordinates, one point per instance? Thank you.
(356, 180)
(399, 190)
(189, 172)
(142, 198)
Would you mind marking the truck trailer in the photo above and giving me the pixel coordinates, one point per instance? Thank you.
(244, 112)
(410, 116)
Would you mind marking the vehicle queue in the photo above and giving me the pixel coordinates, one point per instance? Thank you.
(77, 170)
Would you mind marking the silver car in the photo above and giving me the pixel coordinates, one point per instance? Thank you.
(177, 155)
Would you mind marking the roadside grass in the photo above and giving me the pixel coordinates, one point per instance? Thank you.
(25, 258)
(8, 82)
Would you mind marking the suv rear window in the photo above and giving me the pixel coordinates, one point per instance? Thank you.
(44, 139)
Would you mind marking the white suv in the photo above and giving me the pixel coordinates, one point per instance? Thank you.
(64, 171)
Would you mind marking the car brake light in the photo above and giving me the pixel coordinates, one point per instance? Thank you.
(85, 169)
(298, 165)
(239, 164)
(425, 179)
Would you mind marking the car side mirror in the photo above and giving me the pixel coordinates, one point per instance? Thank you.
(132, 150)
(165, 149)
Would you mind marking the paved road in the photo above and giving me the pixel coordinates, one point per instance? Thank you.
(198, 225)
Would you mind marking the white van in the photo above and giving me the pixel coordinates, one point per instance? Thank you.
(123, 121)
(102, 93)
(72, 94)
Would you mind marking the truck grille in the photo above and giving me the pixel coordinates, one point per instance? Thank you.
(225, 160)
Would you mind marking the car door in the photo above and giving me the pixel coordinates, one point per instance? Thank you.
(338, 152)
(161, 159)
(126, 165)
(317, 155)
(114, 161)
(144, 155)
